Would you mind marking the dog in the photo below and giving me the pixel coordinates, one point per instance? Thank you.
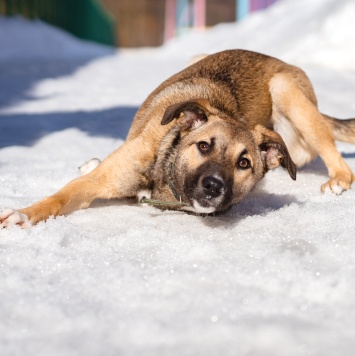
(206, 136)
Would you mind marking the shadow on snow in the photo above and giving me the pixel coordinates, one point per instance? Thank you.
(26, 129)
(17, 77)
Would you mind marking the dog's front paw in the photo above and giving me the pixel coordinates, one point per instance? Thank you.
(336, 186)
(12, 217)
(89, 166)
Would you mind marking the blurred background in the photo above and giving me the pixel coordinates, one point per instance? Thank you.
(132, 23)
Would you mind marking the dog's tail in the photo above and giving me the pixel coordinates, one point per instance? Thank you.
(343, 130)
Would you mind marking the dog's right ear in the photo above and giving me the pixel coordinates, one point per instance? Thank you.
(189, 115)
(274, 150)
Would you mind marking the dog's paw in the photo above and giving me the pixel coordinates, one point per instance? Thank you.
(335, 186)
(89, 166)
(12, 217)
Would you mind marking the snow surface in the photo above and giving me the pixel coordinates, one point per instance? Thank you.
(273, 276)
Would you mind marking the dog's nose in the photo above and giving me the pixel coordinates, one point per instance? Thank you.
(212, 187)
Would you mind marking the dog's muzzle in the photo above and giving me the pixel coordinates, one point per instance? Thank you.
(209, 189)
(212, 192)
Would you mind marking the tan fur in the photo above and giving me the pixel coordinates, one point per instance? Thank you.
(311, 127)
(232, 101)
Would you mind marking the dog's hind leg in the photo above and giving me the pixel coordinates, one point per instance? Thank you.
(120, 175)
(294, 102)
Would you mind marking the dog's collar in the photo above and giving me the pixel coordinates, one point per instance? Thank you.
(169, 172)
(170, 181)
(179, 202)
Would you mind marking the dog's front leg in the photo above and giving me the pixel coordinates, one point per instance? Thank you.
(75, 195)
(120, 175)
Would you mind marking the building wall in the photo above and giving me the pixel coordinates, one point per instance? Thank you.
(218, 11)
(142, 22)
(138, 22)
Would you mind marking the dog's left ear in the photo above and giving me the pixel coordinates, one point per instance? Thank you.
(189, 114)
(274, 151)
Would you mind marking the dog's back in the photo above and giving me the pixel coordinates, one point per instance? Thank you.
(235, 81)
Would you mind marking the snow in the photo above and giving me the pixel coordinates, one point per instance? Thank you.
(273, 276)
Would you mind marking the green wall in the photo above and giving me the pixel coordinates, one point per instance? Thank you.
(86, 19)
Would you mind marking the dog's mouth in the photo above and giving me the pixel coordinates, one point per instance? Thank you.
(208, 194)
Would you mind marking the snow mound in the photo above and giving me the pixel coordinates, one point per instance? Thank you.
(319, 32)
(21, 39)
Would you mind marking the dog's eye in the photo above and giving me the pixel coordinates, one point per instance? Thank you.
(203, 146)
(244, 163)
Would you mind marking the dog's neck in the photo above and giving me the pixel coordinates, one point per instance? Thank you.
(170, 171)
(164, 191)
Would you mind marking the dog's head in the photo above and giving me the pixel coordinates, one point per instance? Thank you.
(217, 160)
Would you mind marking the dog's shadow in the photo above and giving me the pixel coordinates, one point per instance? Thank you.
(348, 155)
(318, 167)
(258, 203)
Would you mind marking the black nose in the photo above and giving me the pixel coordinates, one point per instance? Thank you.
(212, 186)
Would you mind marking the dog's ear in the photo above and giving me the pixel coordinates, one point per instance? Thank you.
(274, 151)
(189, 114)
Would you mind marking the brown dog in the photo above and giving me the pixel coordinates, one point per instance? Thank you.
(206, 136)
